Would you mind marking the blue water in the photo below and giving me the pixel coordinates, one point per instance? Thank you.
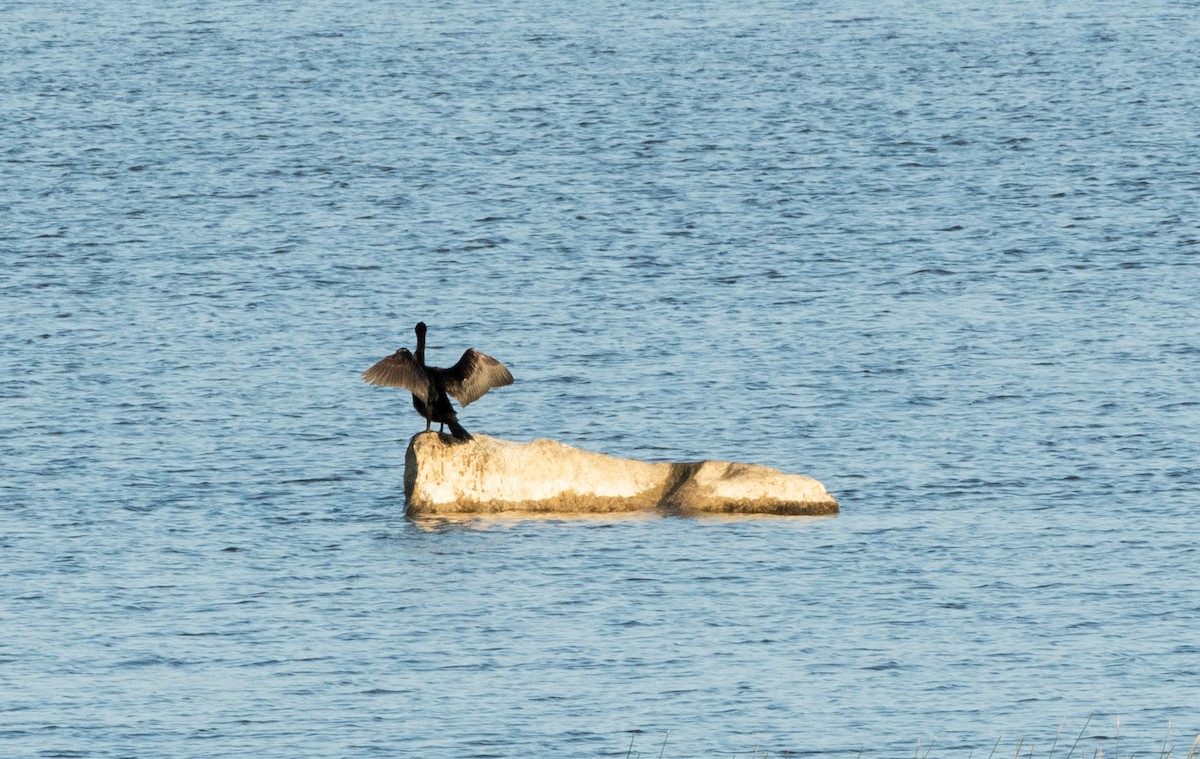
(942, 257)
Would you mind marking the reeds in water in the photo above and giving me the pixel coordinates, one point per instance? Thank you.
(1022, 751)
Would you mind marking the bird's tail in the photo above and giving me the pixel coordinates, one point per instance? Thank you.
(457, 430)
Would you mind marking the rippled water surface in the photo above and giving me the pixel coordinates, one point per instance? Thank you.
(942, 257)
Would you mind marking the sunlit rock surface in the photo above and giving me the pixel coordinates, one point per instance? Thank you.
(489, 476)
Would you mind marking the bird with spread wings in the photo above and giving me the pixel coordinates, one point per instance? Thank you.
(431, 387)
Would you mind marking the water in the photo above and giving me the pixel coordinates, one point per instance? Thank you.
(943, 258)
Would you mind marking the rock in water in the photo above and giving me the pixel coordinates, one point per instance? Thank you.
(489, 476)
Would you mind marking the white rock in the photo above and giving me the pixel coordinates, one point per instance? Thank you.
(487, 476)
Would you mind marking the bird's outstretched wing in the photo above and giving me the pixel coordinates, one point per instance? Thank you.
(474, 375)
(400, 370)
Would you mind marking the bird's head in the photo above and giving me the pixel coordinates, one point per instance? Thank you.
(421, 328)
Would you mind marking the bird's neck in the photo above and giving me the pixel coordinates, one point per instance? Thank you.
(420, 353)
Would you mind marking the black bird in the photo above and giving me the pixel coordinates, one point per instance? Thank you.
(467, 381)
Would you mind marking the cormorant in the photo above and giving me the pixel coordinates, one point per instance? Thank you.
(467, 381)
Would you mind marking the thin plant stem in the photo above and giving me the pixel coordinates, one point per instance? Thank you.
(1057, 734)
(994, 747)
(1080, 736)
(1162, 754)
(664, 746)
